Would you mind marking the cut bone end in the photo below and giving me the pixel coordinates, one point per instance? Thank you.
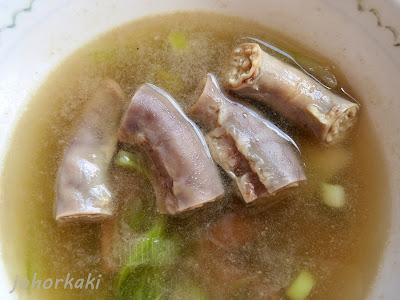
(338, 129)
(244, 65)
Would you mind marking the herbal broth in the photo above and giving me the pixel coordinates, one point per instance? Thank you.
(341, 248)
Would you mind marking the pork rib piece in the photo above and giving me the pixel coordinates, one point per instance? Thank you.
(82, 184)
(292, 93)
(184, 175)
(253, 151)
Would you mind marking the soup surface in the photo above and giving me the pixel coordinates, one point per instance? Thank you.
(340, 247)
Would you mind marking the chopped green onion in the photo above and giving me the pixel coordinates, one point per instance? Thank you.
(154, 249)
(143, 282)
(137, 221)
(130, 160)
(142, 214)
(177, 40)
(138, 251)
(301, 286)
(333, 195)
(148, 262)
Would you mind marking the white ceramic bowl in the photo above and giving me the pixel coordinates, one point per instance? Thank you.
(360, 36)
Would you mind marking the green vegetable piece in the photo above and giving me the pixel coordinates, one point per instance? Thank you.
(137, 221)
(139, 251)
(147, 263)
(130, 160)
(154, 251)
(177, 40)
(301, 286)
(169, 81)
(142, 213)
(143, 282)
(333, 195)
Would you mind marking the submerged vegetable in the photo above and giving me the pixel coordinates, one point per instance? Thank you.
(169, 81)
(333, 195)
(138, 220)
(141, 216)
(144, 275)
(301, 286)
(130, 160)
(145, 282)
(177, 40)
(155, 248)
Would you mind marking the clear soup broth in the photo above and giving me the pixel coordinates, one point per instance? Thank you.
(341, 248)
